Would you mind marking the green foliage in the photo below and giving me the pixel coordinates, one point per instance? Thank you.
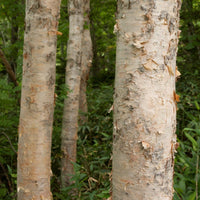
(9, 115)
(93, 167)
(187, 176)
(186, 179)
(102, 19)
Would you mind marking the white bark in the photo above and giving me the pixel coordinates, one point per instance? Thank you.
(145, 106)
(37, 100)
(72, 79)
(86, 63)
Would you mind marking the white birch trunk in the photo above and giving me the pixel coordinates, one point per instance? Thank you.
(145, 99)
(72, 79)
(37, 100)
(86, 63)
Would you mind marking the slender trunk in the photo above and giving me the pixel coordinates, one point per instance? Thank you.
(72, 79)
(85, 64)
(37, 101)
(9, 68)
(145, 99)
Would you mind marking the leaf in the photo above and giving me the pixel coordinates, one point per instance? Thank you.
(194, 143)
(176, 197)
(182, 185)
(197, 105)
(3, 192)
(192, 196)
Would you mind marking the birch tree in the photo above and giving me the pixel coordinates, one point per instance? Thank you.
(86, 62)
(72, 80)
(145, 99)
(37, 100)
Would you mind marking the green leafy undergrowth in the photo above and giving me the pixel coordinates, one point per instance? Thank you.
(187, 173)
(9, 115)
(93, 167)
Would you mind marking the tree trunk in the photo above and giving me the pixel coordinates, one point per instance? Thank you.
(145, 99)
(37, 101)
(86, 63)
(72, 79)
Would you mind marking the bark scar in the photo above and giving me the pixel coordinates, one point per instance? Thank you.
(129, 4)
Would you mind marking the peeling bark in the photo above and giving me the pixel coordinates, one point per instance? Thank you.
(37, 100)
(86, 63)
(72, 80)
(144, 138)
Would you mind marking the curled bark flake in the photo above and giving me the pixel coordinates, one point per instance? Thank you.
(170, 70)
(55, 97)
(116, 27)
(123, 16)
(178, 33)
(54, 32)
(145, 145)
(138, 44)
(127, 37)
(176, 97)
(150, 64)
(178, 74)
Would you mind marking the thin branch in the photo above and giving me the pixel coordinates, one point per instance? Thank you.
(7, 177)
(9, 142)
(8, 68)
(3, 38)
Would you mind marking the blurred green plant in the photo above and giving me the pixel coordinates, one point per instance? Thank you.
(9, 112)
(187, 172)
(93, 167)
